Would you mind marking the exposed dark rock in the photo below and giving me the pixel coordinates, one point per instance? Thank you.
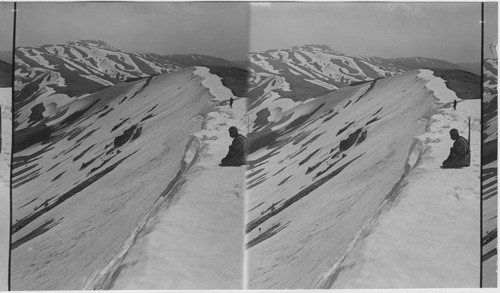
(349, 141)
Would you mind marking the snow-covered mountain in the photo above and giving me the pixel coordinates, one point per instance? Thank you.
(325, 163)
(53, 75)
(490, 172)
(323, 68)
(98, 160)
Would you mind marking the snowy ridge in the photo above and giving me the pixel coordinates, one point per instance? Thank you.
(120, 135)
(196, 214)
(431, 202)
(313, 157)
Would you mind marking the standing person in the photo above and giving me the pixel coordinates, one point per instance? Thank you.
(237, 150)
(459, 153)
(231, 102)
(455, 104)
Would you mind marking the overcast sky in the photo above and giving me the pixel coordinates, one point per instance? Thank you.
(6, 26)
(448, 31)
(490, 29)
(216, 29)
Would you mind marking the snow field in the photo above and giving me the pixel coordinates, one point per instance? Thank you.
(429, 237)
(197, 243)
(6, 104)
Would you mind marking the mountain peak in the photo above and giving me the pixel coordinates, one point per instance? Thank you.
(315, 47)
(93, 43)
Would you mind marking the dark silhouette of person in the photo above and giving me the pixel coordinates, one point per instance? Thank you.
(455, 104)
(237, 150)
(459, 153)
(231, 102)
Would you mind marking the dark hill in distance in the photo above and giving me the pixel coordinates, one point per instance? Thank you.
(6, 56)
(465, 84)
(5, 74)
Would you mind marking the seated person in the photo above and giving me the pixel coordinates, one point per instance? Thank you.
(459, 153)
(237, 150)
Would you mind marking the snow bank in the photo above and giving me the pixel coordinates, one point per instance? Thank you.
(214, 84)
(438, 86)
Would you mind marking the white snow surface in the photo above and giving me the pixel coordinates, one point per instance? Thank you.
(429, 237)
(6, 126)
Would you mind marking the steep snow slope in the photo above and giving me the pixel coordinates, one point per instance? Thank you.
(322, 171)
(211, 219)
(108, 162)
(490, 169)
(5, 103)
(433, 210)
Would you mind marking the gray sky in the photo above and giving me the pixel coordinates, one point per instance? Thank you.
(448, 31)
(6, 26)
(216, 29)
(490, 29)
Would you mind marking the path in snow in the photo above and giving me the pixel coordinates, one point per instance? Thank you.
(197, 243)
(5, 103)
(429, 238)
